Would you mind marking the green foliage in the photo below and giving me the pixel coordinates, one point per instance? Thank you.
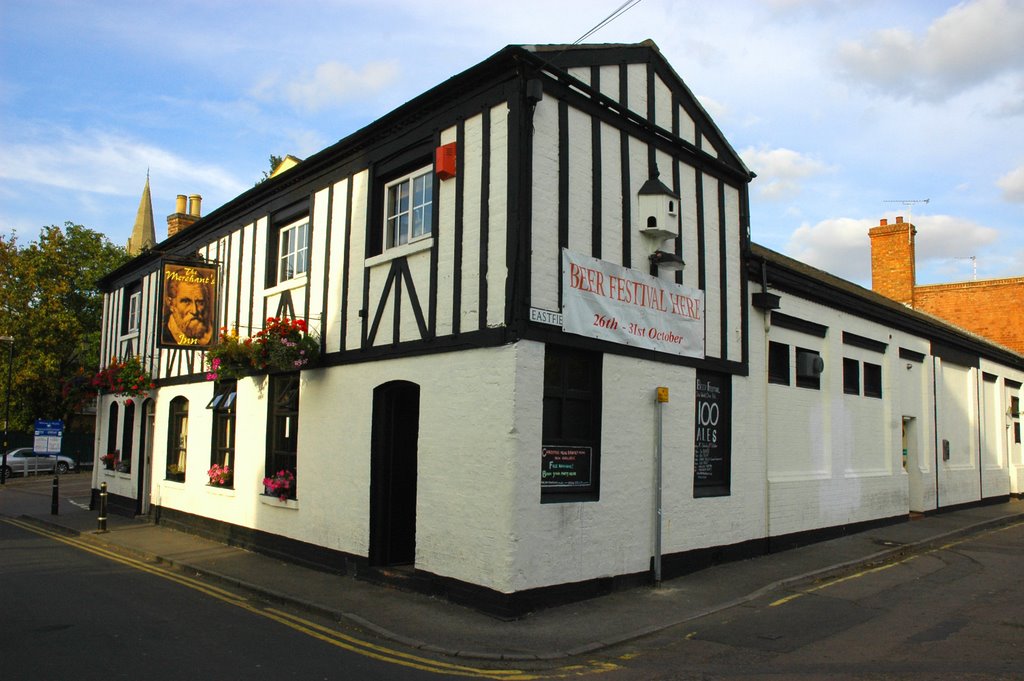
(50, 304)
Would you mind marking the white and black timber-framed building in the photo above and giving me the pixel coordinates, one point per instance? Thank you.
(461, 421)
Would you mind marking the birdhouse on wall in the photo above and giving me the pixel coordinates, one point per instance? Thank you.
(659, 209)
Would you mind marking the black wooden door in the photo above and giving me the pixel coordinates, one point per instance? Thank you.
(396, 412)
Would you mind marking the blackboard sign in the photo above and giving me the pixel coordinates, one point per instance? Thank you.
(565, 468)
(712, 442)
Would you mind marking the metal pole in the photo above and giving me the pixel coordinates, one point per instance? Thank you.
(55, 496)
(657, 497)
(7, 406)
(102, 519)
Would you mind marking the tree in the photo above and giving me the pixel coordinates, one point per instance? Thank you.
(51, 306)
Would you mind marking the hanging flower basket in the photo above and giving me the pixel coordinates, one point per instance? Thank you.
(125, 378)
(229, 358)
(280, 485)
(284, 345)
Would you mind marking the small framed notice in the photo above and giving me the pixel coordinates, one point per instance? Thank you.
(566, 469)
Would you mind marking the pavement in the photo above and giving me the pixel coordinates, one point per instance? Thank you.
(434, 625)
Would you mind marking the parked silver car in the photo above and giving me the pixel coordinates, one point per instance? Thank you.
(24, 461)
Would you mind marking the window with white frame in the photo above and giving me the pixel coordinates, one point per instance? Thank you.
(293, 250)
(131, 310)
(408, 208)
(134, 308)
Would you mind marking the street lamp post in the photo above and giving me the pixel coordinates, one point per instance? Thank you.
(7, 405)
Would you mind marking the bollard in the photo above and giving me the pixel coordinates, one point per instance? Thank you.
(102, 519)
(54, 498)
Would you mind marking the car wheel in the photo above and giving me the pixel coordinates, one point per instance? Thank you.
(62, 467)
(8, 472)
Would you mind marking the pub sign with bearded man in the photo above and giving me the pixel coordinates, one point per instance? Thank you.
(189, 305)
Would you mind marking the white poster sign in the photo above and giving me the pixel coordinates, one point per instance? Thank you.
(613, 303)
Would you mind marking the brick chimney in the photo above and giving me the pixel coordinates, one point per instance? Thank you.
(179, 219)
(892, 260)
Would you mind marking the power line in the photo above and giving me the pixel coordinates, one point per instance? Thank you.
(619, 11)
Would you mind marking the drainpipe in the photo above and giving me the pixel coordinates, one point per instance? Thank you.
(662, 397)
(979, 386)
(764, 413)
(935, 424)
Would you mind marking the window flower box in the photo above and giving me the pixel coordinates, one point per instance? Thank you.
(280, 485)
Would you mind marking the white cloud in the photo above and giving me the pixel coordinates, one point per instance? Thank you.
(780, 171)
(100, 162)
(946, 237)
(716, 109)
(331, 84)
(1012, 184)
(972, 43)
(840, 246)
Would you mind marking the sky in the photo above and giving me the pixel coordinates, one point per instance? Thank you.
(848, 111)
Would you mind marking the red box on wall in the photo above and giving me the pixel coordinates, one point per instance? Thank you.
(444, 161)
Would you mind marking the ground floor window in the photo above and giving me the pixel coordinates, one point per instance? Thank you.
(571, 446)
(177, 439)
(112, 456)
(282, 446)
(222, 450)
(1015, 415)
(872, 380)
(851, 376)
(808, 369)
(127, 438)
(778, 363)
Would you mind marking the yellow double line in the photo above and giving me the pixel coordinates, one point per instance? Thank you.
(317, 631)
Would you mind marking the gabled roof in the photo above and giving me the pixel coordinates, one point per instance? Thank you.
(646, 52)
(502, 66)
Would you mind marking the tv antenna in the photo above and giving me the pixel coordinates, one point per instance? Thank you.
(909, 205)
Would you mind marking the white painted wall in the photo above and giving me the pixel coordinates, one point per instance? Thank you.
(833, 458)
(467, 456)
(957, 398)
(567, 542)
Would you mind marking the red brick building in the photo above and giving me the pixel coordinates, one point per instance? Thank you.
(993, 308)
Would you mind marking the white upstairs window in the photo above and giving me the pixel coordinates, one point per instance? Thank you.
(134, 312)
(409, 207)
(293, 251)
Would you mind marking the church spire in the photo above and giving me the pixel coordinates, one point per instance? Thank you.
(143, 233)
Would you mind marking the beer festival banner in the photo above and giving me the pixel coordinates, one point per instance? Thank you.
(610, 302)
